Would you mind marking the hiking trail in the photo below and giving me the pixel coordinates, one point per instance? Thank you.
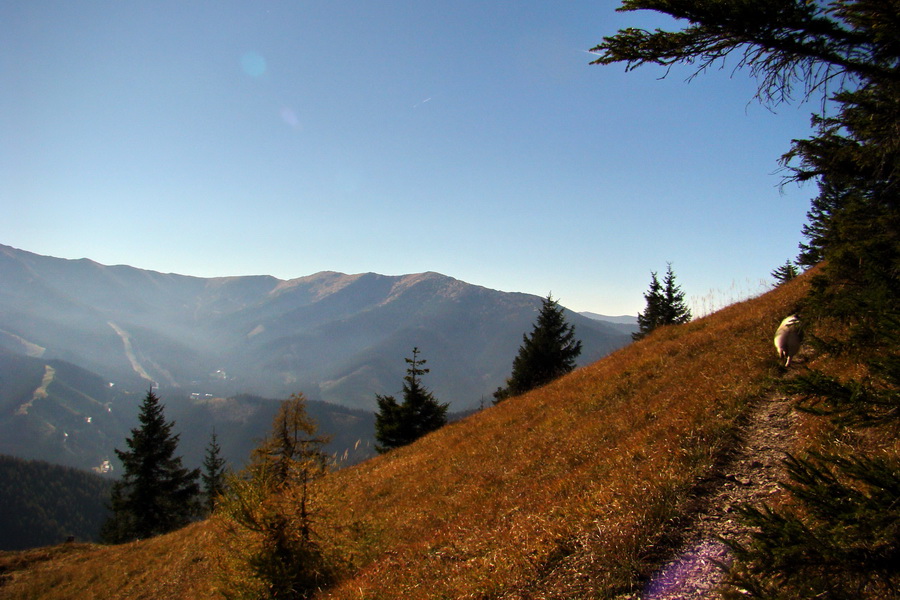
(751, 477)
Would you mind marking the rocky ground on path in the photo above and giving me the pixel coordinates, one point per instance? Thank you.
(752, 476)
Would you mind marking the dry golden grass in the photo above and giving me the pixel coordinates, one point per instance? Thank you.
(563, 490)
(170, 567)
(568, 491)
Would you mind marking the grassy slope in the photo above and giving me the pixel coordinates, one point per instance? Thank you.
(559, 493)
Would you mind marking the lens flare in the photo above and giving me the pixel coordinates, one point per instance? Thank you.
(290, 117)
(253, 64)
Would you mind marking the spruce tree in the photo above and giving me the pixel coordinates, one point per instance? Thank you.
(549, 352)
(651, 317)
(785, 272)
(156, 493)
(399, 424)
(213, 472)
(674, 308)
(665, 305)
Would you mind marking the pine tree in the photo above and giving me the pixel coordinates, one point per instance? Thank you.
(785, 272)
(665, 305)
(549, 352)
(213, 473)
(399, 424)
(156, 493)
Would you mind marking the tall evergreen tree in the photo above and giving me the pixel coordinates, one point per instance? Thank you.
(399, 424)
(841, 538)
(213, 472)
(665, 305)
(550, 351)
(156, 493)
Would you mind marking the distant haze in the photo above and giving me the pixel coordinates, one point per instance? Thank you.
(336, 337)
(623, 319)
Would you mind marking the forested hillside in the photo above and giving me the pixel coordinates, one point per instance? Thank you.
(44, 504)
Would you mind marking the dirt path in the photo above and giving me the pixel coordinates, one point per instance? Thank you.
(752, 477)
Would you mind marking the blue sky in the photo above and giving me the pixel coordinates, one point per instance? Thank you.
(472, 138)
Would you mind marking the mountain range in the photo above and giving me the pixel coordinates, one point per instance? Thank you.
(338, 338)
(81, 343)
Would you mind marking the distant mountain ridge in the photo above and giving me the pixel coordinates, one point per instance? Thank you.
(338, 338)
(621, 319)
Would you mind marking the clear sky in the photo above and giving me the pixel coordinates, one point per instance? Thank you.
(471, 137)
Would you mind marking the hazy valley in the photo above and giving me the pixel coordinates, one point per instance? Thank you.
(80, 343)
(338, 338)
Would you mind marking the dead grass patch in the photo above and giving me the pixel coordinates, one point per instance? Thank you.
(170, 567)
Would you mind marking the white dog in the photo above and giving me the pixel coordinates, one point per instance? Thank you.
(788, 338)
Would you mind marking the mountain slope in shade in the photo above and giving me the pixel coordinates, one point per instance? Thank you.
(57, 412)
(44, 504)
(621, 319)
(336, 337)
(623, 323)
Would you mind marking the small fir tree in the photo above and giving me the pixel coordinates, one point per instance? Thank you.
(665, 305)
(156, 493)
(785, 272)
(399, 424)
(550, 351)
(213, 472)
